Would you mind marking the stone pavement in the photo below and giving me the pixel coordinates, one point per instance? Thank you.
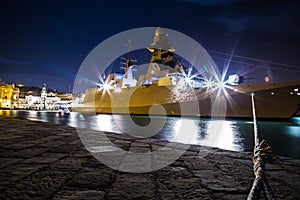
(46, 161)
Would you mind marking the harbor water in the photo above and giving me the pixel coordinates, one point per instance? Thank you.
(229, 134)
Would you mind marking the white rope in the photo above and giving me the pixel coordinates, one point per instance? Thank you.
(260, 183)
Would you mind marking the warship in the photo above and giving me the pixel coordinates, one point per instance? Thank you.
(168, 89)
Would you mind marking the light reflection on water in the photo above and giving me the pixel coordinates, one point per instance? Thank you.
(229, 136)
(183, 131)
(236, 135)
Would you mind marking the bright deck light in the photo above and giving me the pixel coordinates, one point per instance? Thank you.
(104, 84)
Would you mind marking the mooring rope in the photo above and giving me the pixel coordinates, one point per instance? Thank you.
(262, 154)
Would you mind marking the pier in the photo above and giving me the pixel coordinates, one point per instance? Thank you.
(47, 161)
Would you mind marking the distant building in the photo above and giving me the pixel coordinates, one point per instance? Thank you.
(45, 100)
(9, 96)
(12, 98)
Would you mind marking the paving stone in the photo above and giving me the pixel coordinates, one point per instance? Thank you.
(79, 195)
(29, 152)
(133, 186)
(22, 169)
(4, 162)
(47, 161)
(173, 173)
(90, 179)
(10, 137)
(67, 164)
(140, 144)
(44, 158)
(196, 163)
(37, 186)
(51, 144)
(139, 149)
(182, 188)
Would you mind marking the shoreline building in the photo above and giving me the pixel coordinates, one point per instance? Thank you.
(14, 97)
(9, 96)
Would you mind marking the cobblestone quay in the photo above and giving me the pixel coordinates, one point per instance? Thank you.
(46, 161)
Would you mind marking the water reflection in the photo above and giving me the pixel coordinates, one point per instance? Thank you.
(5, 112)
(74, 118)
(227, 136)
(182, 130)
(32, 115)
(237, 135)
(139, 126)
(216, 133)
(294, 131)
(106, 123)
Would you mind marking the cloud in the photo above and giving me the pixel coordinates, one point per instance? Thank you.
(15, 62)
(59, 70)
(283, 19)
(272, 16)
(211, 2)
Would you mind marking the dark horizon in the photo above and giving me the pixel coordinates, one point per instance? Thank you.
(46, 41)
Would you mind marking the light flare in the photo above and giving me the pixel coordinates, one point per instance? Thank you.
(104, 85)
(219, 87)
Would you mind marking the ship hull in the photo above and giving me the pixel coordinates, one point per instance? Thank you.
(272, 101)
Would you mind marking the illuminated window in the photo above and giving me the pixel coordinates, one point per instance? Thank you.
(296, 89)
(291, 93)
(272, 93)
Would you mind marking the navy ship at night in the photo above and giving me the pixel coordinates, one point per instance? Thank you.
(181, 93)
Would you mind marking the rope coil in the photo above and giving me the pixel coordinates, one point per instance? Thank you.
(262, 154)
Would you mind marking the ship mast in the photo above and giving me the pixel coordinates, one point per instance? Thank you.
(128, 61)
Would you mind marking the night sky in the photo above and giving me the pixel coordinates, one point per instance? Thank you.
(46, 41)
